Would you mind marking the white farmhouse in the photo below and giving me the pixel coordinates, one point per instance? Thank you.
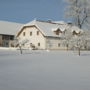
(43, 34)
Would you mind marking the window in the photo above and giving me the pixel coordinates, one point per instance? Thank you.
(57, 32)
(6, 43)
(11, 37)
(58, 44)
(37, 32)
(23, 33)
(5, 37)
(38, 44)
(75, 33)
(30, 33)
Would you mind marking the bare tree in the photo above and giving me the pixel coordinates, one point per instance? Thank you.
(67, 35)
(78, 11)
(20, 43)
(86, 39)
(80, 41)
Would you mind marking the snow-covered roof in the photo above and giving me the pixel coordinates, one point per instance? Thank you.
(9, 28)
(60, 22)
(46, 27)
(76, 29)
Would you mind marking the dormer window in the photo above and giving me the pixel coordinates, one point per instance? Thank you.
(76, 30)
(57, 31)
(75, 33)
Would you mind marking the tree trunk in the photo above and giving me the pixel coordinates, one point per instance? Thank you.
(20, 49)
(67, 47)
(79, 51)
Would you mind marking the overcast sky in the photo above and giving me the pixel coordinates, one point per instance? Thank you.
(23, 11)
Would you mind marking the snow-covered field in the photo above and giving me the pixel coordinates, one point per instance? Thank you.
(42, 70)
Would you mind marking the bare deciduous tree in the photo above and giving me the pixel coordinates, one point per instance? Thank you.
(78, 11)
(19, 43)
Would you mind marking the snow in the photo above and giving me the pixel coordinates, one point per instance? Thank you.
(76, 29)
(60, 22)
(7, 48)
(9, 28)
(47, 27)
(44, 70)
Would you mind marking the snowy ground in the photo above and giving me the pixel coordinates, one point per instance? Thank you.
(42, 70)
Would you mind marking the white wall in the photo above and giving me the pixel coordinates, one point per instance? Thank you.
(34, 39)
(52, 43)
(45, 43)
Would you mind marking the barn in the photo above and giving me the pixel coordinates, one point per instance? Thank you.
(7, 32)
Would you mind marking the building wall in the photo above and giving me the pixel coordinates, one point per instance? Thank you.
(37, 40)
(5, 40)
(55, 44)
(0, 40)
(45, 42)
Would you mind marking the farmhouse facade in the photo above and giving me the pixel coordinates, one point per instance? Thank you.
(44, 34)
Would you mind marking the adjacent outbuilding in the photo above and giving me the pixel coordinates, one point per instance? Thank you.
(8, 31)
